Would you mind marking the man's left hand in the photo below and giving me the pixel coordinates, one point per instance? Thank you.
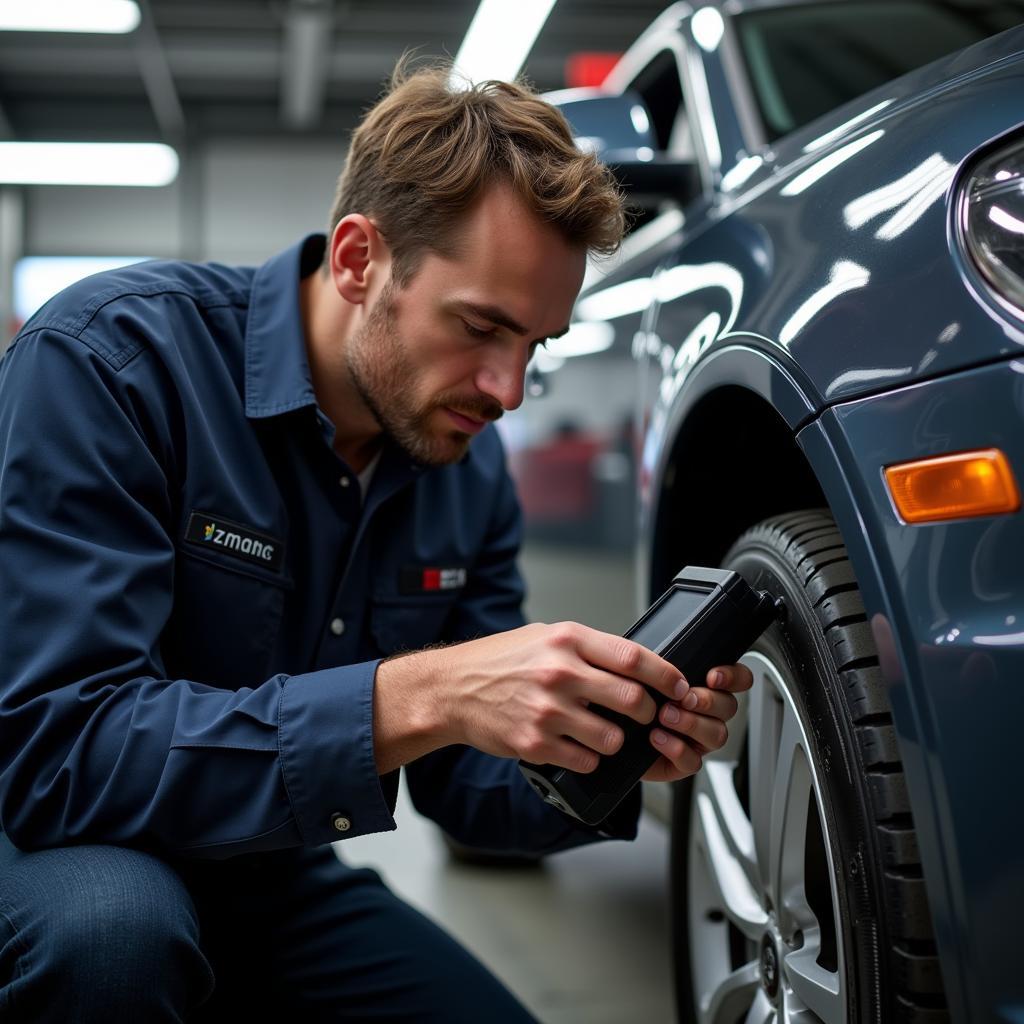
(683, 734)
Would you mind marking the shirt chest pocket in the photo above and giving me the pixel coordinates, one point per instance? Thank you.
(408, 623)
(225, 621)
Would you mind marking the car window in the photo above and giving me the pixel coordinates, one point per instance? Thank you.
(660, 88)
(662, 91)
(806, 60)
(662, 94)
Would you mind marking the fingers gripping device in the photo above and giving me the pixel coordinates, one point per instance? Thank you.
(707, 617)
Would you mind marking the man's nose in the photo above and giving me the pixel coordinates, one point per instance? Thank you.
(504, 380)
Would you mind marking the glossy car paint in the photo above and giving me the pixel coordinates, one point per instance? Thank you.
(947, 614)
(823, 278)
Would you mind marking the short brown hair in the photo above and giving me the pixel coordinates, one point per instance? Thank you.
(427, 150)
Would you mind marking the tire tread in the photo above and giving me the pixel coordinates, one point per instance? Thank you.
(810, 542)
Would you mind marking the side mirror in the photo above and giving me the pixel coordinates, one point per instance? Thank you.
(651, 179)
(617, 129)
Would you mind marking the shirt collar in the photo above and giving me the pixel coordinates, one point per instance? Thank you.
(277, 377)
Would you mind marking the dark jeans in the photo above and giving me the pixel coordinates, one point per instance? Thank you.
(101, 933)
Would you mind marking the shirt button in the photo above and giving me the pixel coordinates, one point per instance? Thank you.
(340, 822)
(344, 481)
(337, 627)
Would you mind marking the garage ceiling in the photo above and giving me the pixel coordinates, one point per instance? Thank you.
(197, 69)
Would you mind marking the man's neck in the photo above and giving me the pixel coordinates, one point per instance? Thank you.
(326, 322)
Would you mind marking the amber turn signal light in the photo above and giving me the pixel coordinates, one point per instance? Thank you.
(978, 483)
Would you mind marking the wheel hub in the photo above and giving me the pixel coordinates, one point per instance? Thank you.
(769, 967)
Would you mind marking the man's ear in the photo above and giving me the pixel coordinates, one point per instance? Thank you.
(360, 259)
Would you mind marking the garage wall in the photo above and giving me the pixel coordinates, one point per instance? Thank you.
(233, 201)
(257, 200)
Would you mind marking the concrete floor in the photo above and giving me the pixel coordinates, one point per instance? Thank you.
(582, 939)
(585, 936)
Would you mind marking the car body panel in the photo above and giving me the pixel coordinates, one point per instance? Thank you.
(822, 276)
(946, 604)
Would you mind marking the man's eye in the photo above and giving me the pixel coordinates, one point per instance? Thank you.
(477, 332)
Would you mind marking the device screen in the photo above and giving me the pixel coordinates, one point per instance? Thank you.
(676, 609)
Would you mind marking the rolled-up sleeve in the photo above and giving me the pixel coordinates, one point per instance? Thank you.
(96, 744)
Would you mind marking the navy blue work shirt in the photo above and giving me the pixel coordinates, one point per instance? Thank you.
(194, 599)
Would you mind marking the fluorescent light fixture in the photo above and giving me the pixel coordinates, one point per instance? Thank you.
(114, 16)
(499, 39)
(87, 163)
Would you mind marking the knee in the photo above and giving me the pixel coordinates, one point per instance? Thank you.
(116, 923)
(120, 908)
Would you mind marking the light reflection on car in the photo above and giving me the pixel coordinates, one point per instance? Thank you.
(825, 279)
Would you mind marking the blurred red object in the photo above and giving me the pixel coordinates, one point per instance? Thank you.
(555, 480)
(589, 69)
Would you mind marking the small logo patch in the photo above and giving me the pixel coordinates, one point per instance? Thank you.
(235, 540)
(419, 579)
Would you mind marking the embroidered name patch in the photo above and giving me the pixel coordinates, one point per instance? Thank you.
(419, 579)
(229, 538)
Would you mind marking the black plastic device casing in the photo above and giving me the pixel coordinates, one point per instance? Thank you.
(707, 617)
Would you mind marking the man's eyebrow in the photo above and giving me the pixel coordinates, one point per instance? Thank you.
(502, 319)
(496, 316)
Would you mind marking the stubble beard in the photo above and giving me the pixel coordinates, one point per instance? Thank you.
(381, 370)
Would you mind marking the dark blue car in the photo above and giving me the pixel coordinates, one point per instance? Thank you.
(824, 295)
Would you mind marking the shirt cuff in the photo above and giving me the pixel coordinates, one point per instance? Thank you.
(325, 736)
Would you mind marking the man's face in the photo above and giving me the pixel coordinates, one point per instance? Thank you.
(441, 357)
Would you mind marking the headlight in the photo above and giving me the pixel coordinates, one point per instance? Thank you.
(992, 222)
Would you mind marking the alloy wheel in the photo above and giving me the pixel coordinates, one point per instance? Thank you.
(763, 909)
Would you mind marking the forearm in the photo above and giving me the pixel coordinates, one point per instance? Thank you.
(411, 716)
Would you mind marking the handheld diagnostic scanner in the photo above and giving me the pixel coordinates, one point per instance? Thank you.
(707, 617)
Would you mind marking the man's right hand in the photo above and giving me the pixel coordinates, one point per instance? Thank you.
(523, 693)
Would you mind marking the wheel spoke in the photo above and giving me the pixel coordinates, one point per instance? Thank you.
(736, 828)
(791, 788)
(736, 993)
(815, 987)
(761, 1010)
(737, 896)
(764, 722)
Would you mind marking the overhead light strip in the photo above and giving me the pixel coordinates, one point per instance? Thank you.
(500, 38)
(106, 16)
(149, 164)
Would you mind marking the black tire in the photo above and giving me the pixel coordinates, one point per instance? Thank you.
(865, 848)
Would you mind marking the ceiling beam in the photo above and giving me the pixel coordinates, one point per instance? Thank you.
(157, 78)
(307, 43)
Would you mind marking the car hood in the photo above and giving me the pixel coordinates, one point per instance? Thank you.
(858, 280)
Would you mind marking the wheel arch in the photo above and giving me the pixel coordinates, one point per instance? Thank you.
(732, 459)
(743, 417)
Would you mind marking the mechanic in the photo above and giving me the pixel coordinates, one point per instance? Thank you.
(259, 552)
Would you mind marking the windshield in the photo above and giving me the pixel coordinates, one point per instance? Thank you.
(806, 60)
